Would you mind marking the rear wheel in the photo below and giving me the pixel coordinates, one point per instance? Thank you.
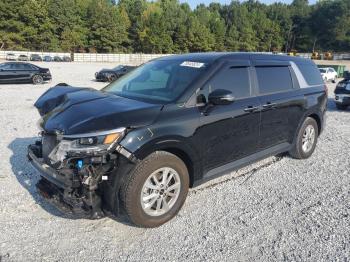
(37, 79)
(341, 107)
(306, 139)
(155, 191)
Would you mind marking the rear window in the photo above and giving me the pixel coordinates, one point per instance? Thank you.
(311, 74)
(274, 79)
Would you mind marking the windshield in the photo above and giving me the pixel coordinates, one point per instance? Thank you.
(322, 70)
(118, 67)
(160, 80)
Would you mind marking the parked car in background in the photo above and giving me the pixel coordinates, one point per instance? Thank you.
(57, 59)
(11, 57)
(18, 72)
(47, 58)
(139, 144)
(342, 92)
(23, 58)
(328, 74)
(109, 75)
(66, 59)
(35, 57)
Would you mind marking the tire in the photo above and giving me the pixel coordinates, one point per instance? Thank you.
(135, 190)
(300, 149)
(112, 78)
(341, 107)
(37, 79)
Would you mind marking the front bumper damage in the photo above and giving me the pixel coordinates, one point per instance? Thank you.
(77, 184)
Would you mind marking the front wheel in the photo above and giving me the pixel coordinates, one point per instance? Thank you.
(112, 78)
(306, 139)
(155, 191)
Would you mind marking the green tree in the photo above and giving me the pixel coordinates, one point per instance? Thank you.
(154, 37)
(134, 9)
(38, 31)
(168, 26)
(199, 36)
(107, 27)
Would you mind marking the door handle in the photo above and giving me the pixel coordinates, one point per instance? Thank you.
(251, 109)
(269, 105)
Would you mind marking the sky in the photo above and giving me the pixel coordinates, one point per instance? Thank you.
(194, 3)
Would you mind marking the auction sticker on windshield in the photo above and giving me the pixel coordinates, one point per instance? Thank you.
(192, 64)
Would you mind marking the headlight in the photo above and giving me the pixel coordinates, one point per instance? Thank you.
(89, 144)
(100, 140)
(103, 138)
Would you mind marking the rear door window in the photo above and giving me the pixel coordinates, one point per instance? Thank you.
(274, 79)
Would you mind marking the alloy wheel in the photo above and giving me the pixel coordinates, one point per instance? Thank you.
(37, 79)
(308, 138)
(160, 191)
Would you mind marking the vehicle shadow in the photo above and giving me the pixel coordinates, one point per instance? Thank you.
(332, 107)
(28, 177)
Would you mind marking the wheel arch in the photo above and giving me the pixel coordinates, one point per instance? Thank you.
(185, 158)
(314, 114)
(179, 148)
(318, 120)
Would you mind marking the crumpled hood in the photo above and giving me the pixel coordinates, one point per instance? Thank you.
(70, 110)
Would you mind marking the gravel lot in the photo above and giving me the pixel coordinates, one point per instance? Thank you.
(277, 209)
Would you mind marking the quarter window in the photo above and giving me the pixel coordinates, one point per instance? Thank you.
(311, 74)
(274, 79)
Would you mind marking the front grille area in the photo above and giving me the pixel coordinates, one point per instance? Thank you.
(49, 142)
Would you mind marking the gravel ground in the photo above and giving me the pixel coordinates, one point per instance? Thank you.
(277, 209)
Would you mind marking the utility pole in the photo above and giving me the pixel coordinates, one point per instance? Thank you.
(313, 47)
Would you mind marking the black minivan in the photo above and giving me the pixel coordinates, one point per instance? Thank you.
(139, 144)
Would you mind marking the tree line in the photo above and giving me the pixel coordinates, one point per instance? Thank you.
(168, 26)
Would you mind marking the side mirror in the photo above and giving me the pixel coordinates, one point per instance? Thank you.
(221, 97)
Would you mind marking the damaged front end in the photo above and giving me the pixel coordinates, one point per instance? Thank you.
(79, 154)
(73, 167)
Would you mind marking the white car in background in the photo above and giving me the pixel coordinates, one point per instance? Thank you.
(328, 74)
(11, 57)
